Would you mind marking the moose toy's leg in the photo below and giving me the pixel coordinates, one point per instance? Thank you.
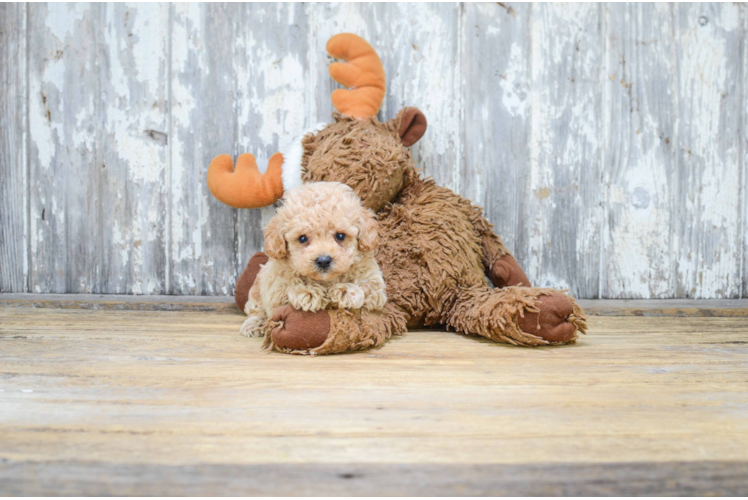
(505, 271)
(502, 268)
(333, 330)
(247, 278)
(548, 319)
(517, 315)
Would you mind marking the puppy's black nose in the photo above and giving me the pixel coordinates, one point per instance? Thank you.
(323, 262)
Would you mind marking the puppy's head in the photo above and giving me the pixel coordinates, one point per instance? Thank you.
(322, 230)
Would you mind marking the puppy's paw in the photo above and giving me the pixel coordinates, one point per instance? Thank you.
(347, 296)
(375, 300)
(254, 326)
(307, 298)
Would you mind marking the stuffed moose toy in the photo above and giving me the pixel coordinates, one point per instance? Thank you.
(435, 248)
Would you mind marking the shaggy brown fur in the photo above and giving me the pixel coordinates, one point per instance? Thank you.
(436, 250)
(338, 331)
(373, 163)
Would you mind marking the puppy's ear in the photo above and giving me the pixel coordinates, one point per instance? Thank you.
(275, 243)
(367, 232)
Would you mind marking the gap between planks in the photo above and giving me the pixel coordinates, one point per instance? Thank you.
(596, 307)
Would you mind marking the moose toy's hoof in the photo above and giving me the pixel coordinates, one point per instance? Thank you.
(507, 272)
(552, 323)
(300, 330)
(245, 281)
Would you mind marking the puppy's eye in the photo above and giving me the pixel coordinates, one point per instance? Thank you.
(303, 239)
(340, 236)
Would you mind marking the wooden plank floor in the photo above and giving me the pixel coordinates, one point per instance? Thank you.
(176, 402)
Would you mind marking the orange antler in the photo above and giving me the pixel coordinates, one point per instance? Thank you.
(245, 187)
(363, 74)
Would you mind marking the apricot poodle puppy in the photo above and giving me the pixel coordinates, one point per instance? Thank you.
(320, 245)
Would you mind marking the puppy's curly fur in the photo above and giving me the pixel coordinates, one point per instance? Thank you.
(321, 246)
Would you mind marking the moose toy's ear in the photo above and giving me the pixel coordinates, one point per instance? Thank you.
(412, 126)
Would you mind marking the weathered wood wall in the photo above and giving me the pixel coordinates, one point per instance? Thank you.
(607, 142)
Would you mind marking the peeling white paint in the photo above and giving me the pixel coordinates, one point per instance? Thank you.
(106, 164)
(62, 19)
(276, 106)
(426, 59)
(564, 148)
(708, 76)
(40, 130)
(514, 94)
(189, 204)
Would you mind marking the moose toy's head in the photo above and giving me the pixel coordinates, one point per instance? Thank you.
(357, 149)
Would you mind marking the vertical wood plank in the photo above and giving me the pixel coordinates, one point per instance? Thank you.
(272, 98)
(640, 149)
(203, 124)
(421, 55)
(64, 99)
(13, 154)
(133, 140)
(744, 146)
(496, 79)
(562, 211)
(710, 42)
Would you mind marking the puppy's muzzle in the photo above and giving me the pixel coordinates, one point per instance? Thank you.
(323, 262)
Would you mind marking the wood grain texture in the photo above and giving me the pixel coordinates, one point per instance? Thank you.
(708, 247)
(134, 83)
(616, 479)
(66, 230)
(608, 143)
(640, 150)
(182, 391)
(593, 307)
(422, 53)
(217, 303)
(203, 122)
(496, 63)
(744, 152)
(14, 187)
(562, 213)
(707, 308)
